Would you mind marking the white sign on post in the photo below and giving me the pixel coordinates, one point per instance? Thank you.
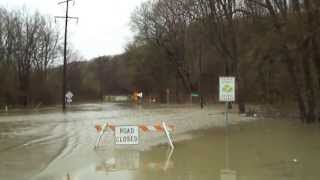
(126, 135)
(226, 89)
(68, 97)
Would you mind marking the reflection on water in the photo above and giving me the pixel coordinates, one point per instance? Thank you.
(122, 160)
(168, 163)
(227, 174)
(130, 160)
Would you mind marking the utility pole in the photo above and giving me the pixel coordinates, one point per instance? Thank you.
(64, 77)
(200, 76)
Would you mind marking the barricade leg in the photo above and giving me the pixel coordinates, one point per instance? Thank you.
(167, 134)
(100, 135)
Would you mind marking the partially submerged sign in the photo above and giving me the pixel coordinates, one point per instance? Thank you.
(120, 98)
(127, 135)
(226, 89)
(140, 95)
(194, 94)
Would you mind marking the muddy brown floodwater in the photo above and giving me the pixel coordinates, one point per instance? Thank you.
(49, 145)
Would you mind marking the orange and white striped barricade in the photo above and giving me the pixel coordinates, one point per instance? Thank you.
(161, 128)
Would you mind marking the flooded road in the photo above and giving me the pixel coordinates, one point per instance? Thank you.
(49, 145)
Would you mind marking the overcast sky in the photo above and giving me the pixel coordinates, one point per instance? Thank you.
(103, 27)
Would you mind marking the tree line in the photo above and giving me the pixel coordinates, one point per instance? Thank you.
(270, 46)
(28, 47)
(183, 46)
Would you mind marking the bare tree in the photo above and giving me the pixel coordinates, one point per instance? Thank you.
(221, 19)
(164, 22)
(47, 47)
(299, 49)
(28, 44)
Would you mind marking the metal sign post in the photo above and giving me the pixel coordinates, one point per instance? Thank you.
(227, 94)
(226, 113)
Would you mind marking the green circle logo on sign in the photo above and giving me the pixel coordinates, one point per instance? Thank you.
(227, 88)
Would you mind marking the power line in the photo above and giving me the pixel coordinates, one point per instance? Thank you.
(66, 17)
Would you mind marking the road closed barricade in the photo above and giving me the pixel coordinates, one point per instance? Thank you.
(130, 134)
